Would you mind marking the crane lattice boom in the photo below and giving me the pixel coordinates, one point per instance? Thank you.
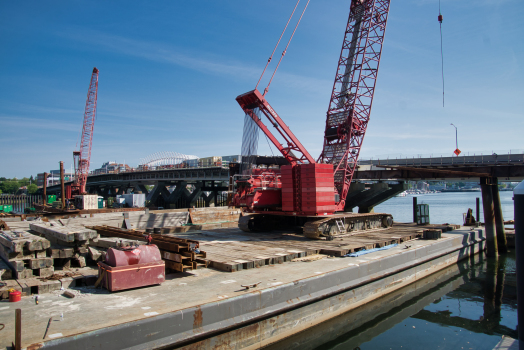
(353, 89)
(83, 156)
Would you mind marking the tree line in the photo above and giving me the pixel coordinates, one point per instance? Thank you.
(12, 186)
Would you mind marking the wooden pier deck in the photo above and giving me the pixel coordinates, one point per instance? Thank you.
(233, 250)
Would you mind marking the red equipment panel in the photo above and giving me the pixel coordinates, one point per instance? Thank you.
(132, 276)
(308, 189)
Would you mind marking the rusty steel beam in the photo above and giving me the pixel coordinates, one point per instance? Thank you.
(45, 189)
(162, 241)
(62, 184)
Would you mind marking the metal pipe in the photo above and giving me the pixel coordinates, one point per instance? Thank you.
(62, 184)
(489, 216)
(456, 137)
(518, 205)
(499, 219)
(415, 209)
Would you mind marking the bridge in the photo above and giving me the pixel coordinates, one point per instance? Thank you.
(507, 167)
(176, 188)
(375, 181)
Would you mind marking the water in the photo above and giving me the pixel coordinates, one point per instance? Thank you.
(445, 207)
(469, 305)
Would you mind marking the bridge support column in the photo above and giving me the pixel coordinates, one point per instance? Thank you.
(499, 219)
(209, 198)
(104, 192)
(489, 216)
(159, 191)
(355, 189)
(367, 206)
(178, 192)
(197, 191)
(142, 188)
(374, 190)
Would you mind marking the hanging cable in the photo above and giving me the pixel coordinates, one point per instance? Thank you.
(271, 149)
(441, 51)
(284, 52)
(278, 42)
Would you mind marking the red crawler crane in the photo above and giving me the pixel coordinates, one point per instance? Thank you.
(311, 192)
(82, 157)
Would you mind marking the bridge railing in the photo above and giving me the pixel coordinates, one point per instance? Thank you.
(474, 160)
(158, 168)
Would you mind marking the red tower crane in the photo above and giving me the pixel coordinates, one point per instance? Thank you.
(309, 191)
(82, 157)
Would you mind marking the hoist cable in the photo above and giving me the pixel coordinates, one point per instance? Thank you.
(285, 50)
(441, 51)
(278, 42)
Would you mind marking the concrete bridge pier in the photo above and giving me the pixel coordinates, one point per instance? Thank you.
(367, 199)
(367, 205)
(185, 195)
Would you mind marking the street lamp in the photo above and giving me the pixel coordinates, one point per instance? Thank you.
(457, 152)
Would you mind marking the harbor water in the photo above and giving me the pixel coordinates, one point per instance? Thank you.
(469, 305)
(444, 207)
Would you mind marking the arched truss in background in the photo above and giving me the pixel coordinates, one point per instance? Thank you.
(165, 158)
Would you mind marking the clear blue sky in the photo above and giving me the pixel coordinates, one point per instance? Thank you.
(170, 72)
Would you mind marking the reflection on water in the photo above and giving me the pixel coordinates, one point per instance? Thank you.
(465, 306)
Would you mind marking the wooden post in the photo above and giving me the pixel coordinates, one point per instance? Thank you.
(489, 216)
(478, 209)
(62, 184)
(499, 219)
(415, 210)
(45, 189)
(518, 205)
(18, 329)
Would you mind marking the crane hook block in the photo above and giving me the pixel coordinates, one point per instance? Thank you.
(440, 18)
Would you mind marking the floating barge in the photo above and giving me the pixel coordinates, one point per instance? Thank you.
(251, 307)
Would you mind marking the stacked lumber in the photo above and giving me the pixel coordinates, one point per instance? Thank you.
(179, 254)
(63, 239)
(25, 254)
(5, 271)
(213, 218)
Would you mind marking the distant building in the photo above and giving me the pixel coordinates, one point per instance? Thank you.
(53, 178)
(111, 168)
(231, 159)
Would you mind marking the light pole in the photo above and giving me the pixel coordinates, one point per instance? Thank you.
(456, 137)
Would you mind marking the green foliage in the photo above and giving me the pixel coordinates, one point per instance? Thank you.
(32, 188)
(24, 182)
(12, 185)
(9, 186)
